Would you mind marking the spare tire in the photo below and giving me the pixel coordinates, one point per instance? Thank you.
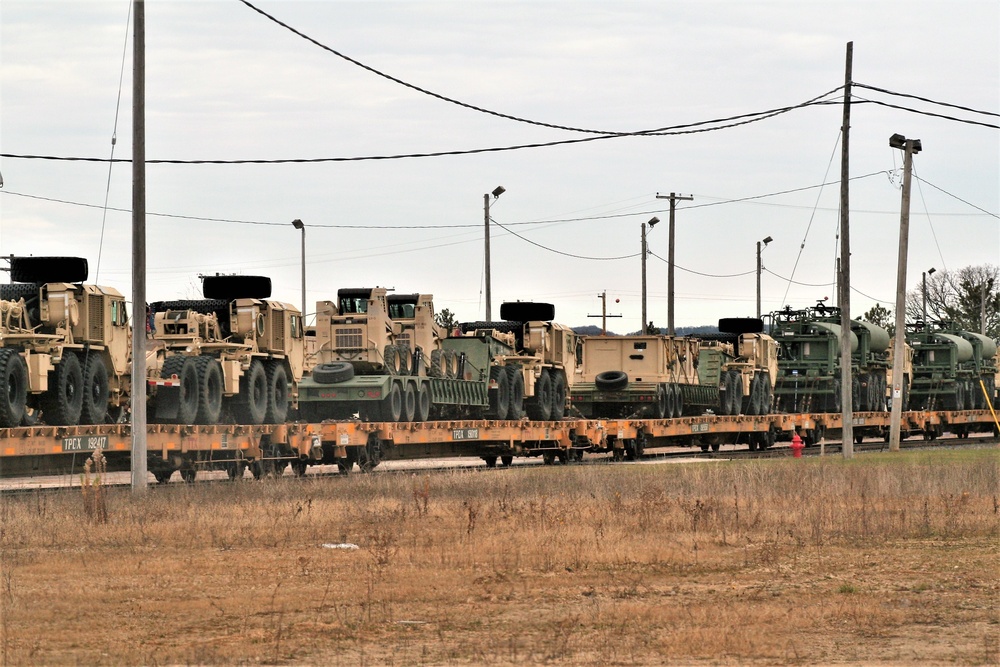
(332, 373)
(611, 380)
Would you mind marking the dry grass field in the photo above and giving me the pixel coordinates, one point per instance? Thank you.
(887, 559)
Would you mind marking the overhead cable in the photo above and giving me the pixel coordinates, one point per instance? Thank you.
(924, 99)
(926, 113)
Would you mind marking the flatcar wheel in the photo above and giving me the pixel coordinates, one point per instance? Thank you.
(299, 468)
(752, 442)
(188, 474)
(162, 476)
(548, 458)
(235, 470)
(490, 461)
(506, 461)
(715, 447)
(563, 456)
(618, 454)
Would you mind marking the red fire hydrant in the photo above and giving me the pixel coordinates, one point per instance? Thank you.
(797, 446)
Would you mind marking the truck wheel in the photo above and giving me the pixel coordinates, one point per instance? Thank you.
(187, 394)
(540, 407)
(392, 405)
(558, 394)
(409, 411)
(611, 380)
(435, 370)
(499, 397)
(766, 395)
(669, 401)
(95, 390)
(661, 410)
(332, 373)
(250, 405)
(405, 357)
(736, 395)
(277, 393)
(63, 402)
(515, 381)
(678, 401)
(14, 388)
(390, 357)
(423, 402)
(209, 390)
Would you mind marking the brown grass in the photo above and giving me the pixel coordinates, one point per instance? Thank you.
(885, 559)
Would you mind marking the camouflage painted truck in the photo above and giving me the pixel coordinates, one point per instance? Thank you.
(234, 356)
(951, 368)
(64, 346)
(382, 357)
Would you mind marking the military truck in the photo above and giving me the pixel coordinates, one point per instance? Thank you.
(234, 354)
(543, 362)
(951, 367)
(742, 361)
(382, 357)
(809, 371)
(64, 346)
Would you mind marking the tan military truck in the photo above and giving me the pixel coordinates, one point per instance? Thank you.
(235, 351)
(743, 361)
(64, 346)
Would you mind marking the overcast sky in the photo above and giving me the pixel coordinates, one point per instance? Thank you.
(225, 83)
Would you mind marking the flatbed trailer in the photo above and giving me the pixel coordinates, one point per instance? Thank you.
(269, 448)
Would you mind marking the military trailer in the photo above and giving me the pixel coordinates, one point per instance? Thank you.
(64, 346)
(382, 357)
(951, 367)
(234, 354)
(809, 371)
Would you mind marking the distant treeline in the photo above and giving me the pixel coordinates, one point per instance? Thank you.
(591, 330)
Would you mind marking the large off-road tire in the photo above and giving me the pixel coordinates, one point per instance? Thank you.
(611, 380)
(515, 383)
(499, 397)
(423, 403)
(540, 407)
(558, 394)
(210, 384)
(332, 373)
(409, 412)
(670, 401)
(392, 405)
(390, 358)
(678, 401)
(767, 394)
(277, 393)
(435, 369)
(405, 359)
(660, 407)
(13, 388)
(63, 402)
(250, 405)
(96, 394)
(187, 372)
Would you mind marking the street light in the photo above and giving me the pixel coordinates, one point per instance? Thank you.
(298, 224)
(499, 190)
(767, 239)
(909, 148)
(645, 321)
(926, 273)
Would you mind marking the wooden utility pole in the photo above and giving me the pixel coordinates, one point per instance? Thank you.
(139, 316)
(846, 376)
(603, 296)
(644, 330)
(674, 198)
(486, 223)
(909, 146)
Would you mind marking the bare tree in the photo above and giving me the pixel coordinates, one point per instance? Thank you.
(966, 296)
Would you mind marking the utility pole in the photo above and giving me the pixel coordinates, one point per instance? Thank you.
(846, 376)
(139, 317)
(909, 146)
(603, 296)
(767, 239)
(499, 190)
(674, 198)
(645, 321)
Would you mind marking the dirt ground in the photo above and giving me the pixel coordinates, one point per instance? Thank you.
(884, 560)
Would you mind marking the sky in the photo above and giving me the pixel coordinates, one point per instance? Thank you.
(224, 82)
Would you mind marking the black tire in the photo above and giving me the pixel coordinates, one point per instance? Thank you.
(558, 394)
(678, 401)
(735, 393)
(434, 370)
(754, 408)
(13, 388)
(332, 373)
(837, 404)
(392, 405)
(540, 407)
(515, 381)
(390, 357)
(277, 393)
(958, 402)
(187, 372)
(767, 394)
(499, 397)
(660, 409)
(423, 402)
(611, 380)
(405, 357)
(409, 412)
(250, 405)
(506, 461)
(96, 394)
(63, 402)
(670, 402)
(209, 390)
(490, 461)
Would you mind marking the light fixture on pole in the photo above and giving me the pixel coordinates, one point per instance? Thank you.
(909, 148)
(645, 321)
(298, 224)
(499, 190)
(926, 273)
(767, 239)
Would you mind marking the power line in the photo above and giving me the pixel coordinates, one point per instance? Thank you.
(560, 252)
(993, 215)
(926, 113)
(924, 99)
(706, 275)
